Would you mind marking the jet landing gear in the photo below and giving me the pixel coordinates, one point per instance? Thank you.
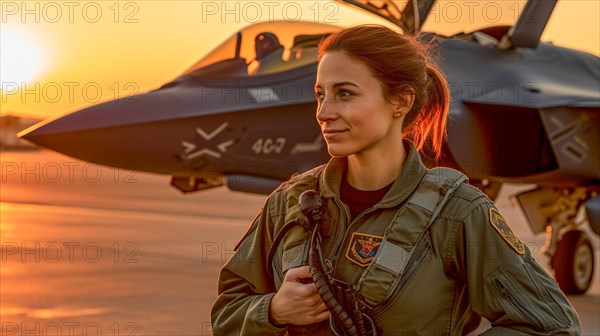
(573, 262)
(569, 248)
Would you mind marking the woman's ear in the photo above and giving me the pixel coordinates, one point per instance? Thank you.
(403, 102)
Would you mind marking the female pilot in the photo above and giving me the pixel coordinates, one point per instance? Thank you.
(399, 249)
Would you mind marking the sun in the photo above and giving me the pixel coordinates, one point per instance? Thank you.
(20, 57)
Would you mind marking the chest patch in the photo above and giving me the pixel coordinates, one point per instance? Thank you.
(362, 248)
(500, 224)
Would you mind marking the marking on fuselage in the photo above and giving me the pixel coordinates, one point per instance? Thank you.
(309, 147)
(567, 140)
(223, 146)
(556, 121)
(203, 151)
(581, 143)
(213, 134)
(189, 148)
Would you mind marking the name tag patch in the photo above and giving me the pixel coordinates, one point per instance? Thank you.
(363, 248)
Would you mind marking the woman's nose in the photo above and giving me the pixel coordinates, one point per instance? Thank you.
(325, 111)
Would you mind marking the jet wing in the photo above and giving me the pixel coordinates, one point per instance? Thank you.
(545, 77)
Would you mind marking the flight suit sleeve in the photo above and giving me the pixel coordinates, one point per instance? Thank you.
(245, 288)
(505, 284)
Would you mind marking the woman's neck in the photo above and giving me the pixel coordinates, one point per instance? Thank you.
(369, 171)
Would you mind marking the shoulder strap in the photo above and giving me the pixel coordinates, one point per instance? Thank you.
(291, 235)
(403, 236)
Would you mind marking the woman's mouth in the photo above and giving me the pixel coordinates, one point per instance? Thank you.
(332, 133)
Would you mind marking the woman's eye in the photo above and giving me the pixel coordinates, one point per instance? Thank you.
(341, 94)
(344, 93)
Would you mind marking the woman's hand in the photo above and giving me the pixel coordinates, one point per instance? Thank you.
(297, 301)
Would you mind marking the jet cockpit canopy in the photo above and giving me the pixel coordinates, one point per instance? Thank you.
(264, 48)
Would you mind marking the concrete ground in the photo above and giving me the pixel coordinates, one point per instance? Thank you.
(90, 250)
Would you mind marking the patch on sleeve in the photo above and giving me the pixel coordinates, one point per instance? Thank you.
(500, 224)
(362, 248)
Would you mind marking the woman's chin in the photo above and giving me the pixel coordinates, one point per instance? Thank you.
(338, 151)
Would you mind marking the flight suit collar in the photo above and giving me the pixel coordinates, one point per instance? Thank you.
(412, 172)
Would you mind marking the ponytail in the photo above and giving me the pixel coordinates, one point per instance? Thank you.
(429, 125)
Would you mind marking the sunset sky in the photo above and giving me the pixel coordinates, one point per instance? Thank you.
(57, 57)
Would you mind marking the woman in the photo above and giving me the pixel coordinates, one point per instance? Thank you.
(403, 250)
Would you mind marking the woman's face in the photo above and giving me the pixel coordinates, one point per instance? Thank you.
(354, 116)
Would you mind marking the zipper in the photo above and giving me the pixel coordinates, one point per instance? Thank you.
(338, 244)
(413, 265)
(415, 261)
(514, 301)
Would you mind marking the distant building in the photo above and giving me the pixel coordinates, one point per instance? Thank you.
(10, 125)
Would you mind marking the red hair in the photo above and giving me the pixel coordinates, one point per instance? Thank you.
(400, 63)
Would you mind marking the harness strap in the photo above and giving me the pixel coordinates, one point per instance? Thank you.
(294, 239)
(404, 235)
(402, 240)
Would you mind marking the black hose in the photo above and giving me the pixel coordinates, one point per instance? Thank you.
(360, 322)
(311, 205)
(324, 290)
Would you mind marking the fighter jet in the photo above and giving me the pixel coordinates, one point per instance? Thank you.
(243, 116)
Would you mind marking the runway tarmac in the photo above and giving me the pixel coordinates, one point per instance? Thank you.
(88, 250)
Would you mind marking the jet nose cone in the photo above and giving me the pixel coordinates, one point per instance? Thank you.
(110, 133)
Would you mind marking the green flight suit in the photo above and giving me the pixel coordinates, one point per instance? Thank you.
(474, 266)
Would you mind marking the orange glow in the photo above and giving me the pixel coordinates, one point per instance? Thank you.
(100, 50)
(63, 312)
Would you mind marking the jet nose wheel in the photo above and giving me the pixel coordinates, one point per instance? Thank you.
(573, 262)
